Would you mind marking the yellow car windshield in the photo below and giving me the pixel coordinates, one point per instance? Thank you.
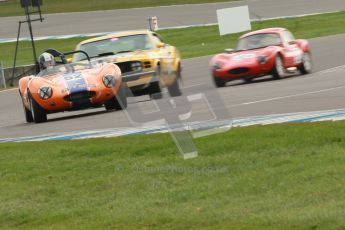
(115, 45)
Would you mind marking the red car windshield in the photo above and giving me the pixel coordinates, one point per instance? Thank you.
(257, 41)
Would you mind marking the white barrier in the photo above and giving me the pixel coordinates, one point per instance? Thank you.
(233, 20)
(153, 23)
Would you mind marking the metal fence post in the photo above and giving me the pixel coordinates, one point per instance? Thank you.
(2, 75)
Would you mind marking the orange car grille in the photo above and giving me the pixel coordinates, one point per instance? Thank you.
(79, 96)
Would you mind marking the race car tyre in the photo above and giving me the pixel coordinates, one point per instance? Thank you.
(118, 102)
(278, 70)
(174, 89)
(307, 65)
(248, 79)
(219, 82)
(28, 115)
(155, 90)
(38, 114)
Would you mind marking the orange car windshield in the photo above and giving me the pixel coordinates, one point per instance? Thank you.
(63, 69)
(115, 45)
(258, 41)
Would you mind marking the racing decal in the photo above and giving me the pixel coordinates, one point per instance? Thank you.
(75, 82)
(77, 85)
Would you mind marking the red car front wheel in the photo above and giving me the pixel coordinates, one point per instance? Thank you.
(278, 70)
(307, 64)
(219, 82)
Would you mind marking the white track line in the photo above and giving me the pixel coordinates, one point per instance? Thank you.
(316, 116)
(154, 7)
(288, 96)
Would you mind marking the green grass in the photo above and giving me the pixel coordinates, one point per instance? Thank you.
(198, 41)
(13, 8)
(25, 55)
(288, 176)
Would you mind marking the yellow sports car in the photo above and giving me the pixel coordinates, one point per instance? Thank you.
(138, 52)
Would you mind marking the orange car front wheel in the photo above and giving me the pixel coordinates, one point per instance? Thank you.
(28, 115)
(38, 113)
(118, 102)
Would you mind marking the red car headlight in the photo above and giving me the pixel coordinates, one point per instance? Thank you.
(217, 66)
(262, 59)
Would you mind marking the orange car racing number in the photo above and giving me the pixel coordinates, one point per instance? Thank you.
(75, 82)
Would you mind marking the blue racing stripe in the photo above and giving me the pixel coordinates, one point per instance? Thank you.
(317, 118)
(76, 83)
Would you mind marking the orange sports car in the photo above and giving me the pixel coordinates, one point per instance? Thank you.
(73, 86)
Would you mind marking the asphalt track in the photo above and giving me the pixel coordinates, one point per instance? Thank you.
(322, 90)
(171, 16)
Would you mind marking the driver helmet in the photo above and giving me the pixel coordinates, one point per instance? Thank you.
(46, 60)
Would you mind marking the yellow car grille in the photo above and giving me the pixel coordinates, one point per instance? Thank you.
(147, 65)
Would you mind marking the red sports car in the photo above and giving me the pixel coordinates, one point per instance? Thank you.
(269, 51)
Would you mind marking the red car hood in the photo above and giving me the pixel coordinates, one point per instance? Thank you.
(246, 56)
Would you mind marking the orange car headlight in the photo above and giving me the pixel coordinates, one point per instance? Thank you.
(109, 81)
(45, 92)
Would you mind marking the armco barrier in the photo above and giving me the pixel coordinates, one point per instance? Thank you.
(2, 76)
(20, 71)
